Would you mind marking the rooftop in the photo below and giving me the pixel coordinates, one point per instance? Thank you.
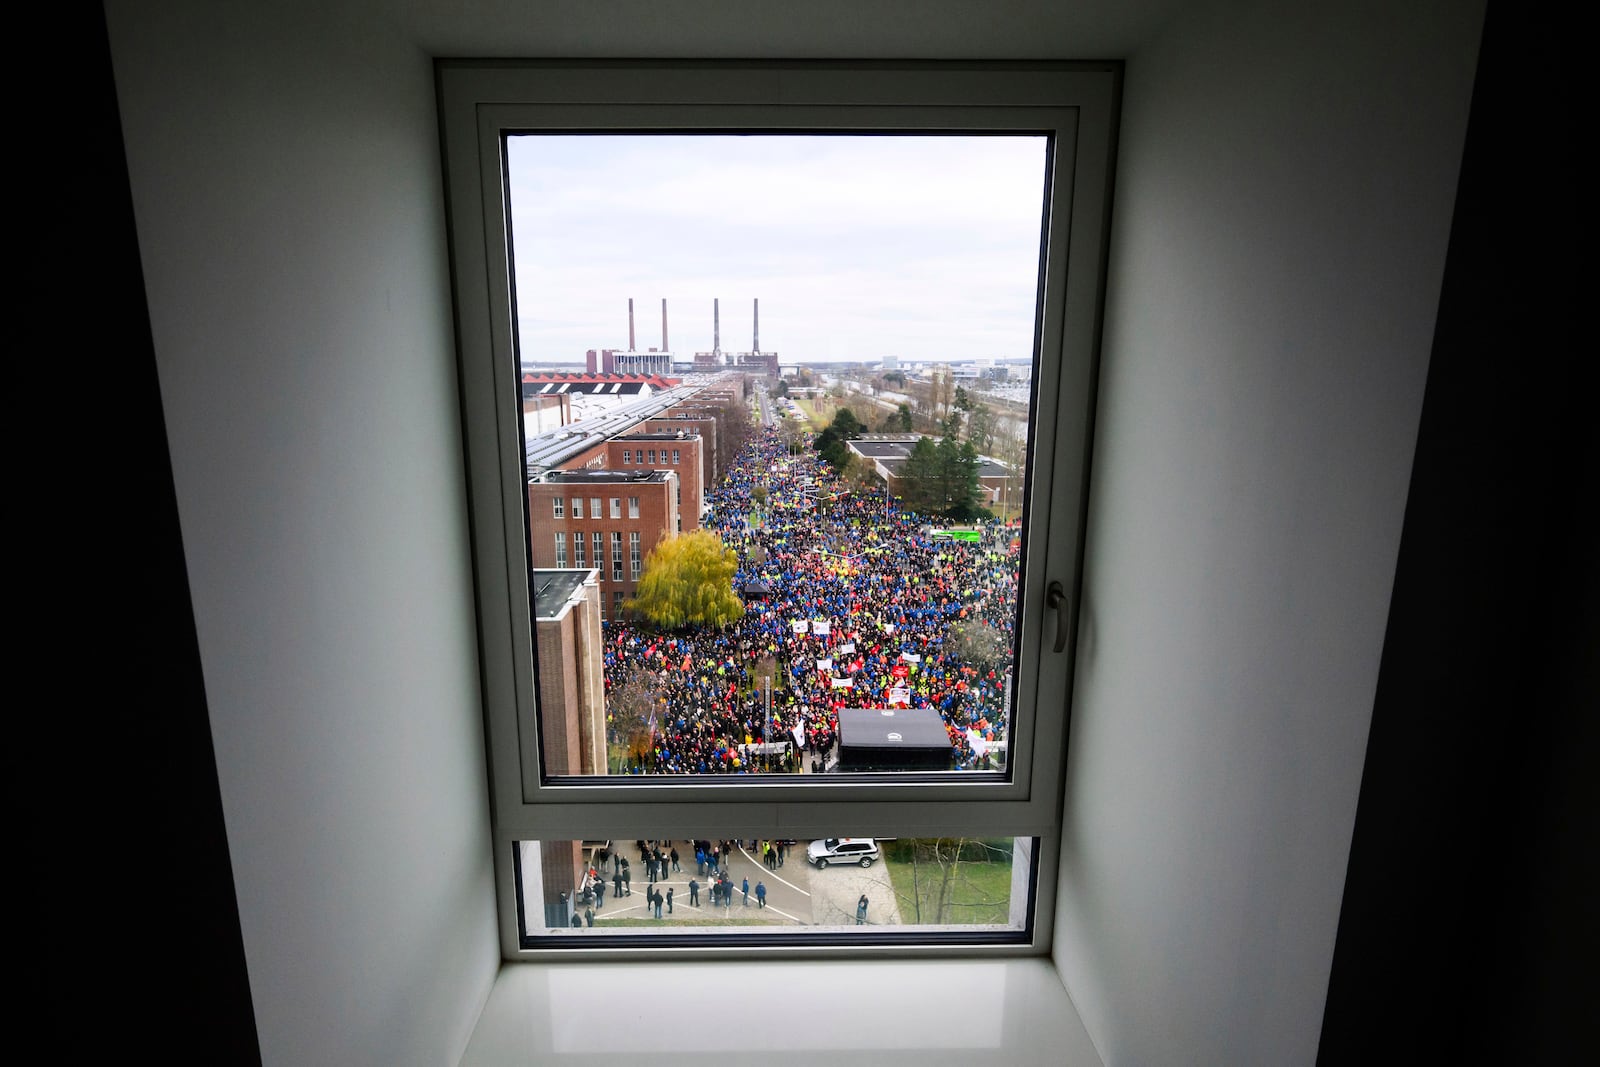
(554, 590)
(604, 476)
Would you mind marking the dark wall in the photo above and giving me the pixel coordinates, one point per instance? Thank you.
(143, 931)
(1468, 913)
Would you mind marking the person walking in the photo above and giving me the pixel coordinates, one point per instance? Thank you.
(669, 900)
(694, 893)
(782, 853)
(599, 894)
(674, 857)
(761, 894)
(588, 916)
(861, 910)
(699, 861)
(627, 880)
(747, 892)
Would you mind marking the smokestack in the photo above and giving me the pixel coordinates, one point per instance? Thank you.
(716, 327)
(756, 346)
(664, 347)
(630, 324)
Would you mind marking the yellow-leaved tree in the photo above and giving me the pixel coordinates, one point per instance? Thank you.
(688, 581)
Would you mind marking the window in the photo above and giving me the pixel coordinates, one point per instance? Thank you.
(675, 454)
(577, 507)
(627, 456)
(577, 548)
(895, 142)
(633, 507)
(652, 455)
(561, 547)
(635, 561)
(555, 502)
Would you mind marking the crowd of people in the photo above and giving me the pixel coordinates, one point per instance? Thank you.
(850, 601)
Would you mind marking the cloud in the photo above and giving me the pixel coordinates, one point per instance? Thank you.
(857, 246)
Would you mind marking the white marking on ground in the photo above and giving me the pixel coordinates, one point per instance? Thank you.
(775, 876)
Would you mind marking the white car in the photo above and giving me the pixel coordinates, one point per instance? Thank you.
(862, 851)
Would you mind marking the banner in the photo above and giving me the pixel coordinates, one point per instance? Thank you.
(900, 670)
(821, 627)
(799, 735)
(847, 648)
(910, 657)
(844, 683)
(825, 664)
(800, 626)
(900, 696)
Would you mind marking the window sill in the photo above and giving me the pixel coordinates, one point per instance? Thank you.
(957, 1012)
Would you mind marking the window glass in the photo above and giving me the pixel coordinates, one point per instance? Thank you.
(577, 507)
(785, 886)
(843, 589)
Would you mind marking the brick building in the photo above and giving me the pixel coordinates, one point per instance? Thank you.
(680, 452)
(636, 508)
(567, 646)
(675, 421)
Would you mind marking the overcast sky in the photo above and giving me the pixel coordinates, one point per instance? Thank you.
(858, 247)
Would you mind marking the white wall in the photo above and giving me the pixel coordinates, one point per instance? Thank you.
(1283, 203)
(287, 192)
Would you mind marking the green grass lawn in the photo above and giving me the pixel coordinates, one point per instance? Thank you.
(975, 891)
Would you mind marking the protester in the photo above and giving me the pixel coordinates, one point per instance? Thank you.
(887, 591)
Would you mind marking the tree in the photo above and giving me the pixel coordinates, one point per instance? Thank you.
(903, 416)
(632, 706)
(688, 581)
(831, 442)
(978, 644)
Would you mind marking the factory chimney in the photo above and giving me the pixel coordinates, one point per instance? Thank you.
(716, 327)
(664, 347)
(630, 325)
(756, 341)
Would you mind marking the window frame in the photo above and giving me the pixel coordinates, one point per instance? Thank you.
(1076, 103)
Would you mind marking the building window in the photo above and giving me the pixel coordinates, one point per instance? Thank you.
(1032, 141)
(635, 561)
(633, 507)
(561, 548)
(577, 548)
(652, 455)
(616, 605)
(556, 503)
(627, 456)
(577, 507)
(599, 553)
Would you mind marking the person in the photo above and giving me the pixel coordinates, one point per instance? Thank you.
(577, 921)
(675, 867)
(747, 892)
(861, 910)
(761, 894)
(669, 900)
(783, 850)
(588, 916)
(599, 894)
(616, 883)
(659, 898)
(694, 893)
(699, 860)
(627, 880)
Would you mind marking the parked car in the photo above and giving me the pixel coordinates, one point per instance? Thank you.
(862, 851)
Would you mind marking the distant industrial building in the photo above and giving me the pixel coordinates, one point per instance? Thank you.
(754, 361)
(888, 452)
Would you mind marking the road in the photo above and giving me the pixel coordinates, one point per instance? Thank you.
(797, 895)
